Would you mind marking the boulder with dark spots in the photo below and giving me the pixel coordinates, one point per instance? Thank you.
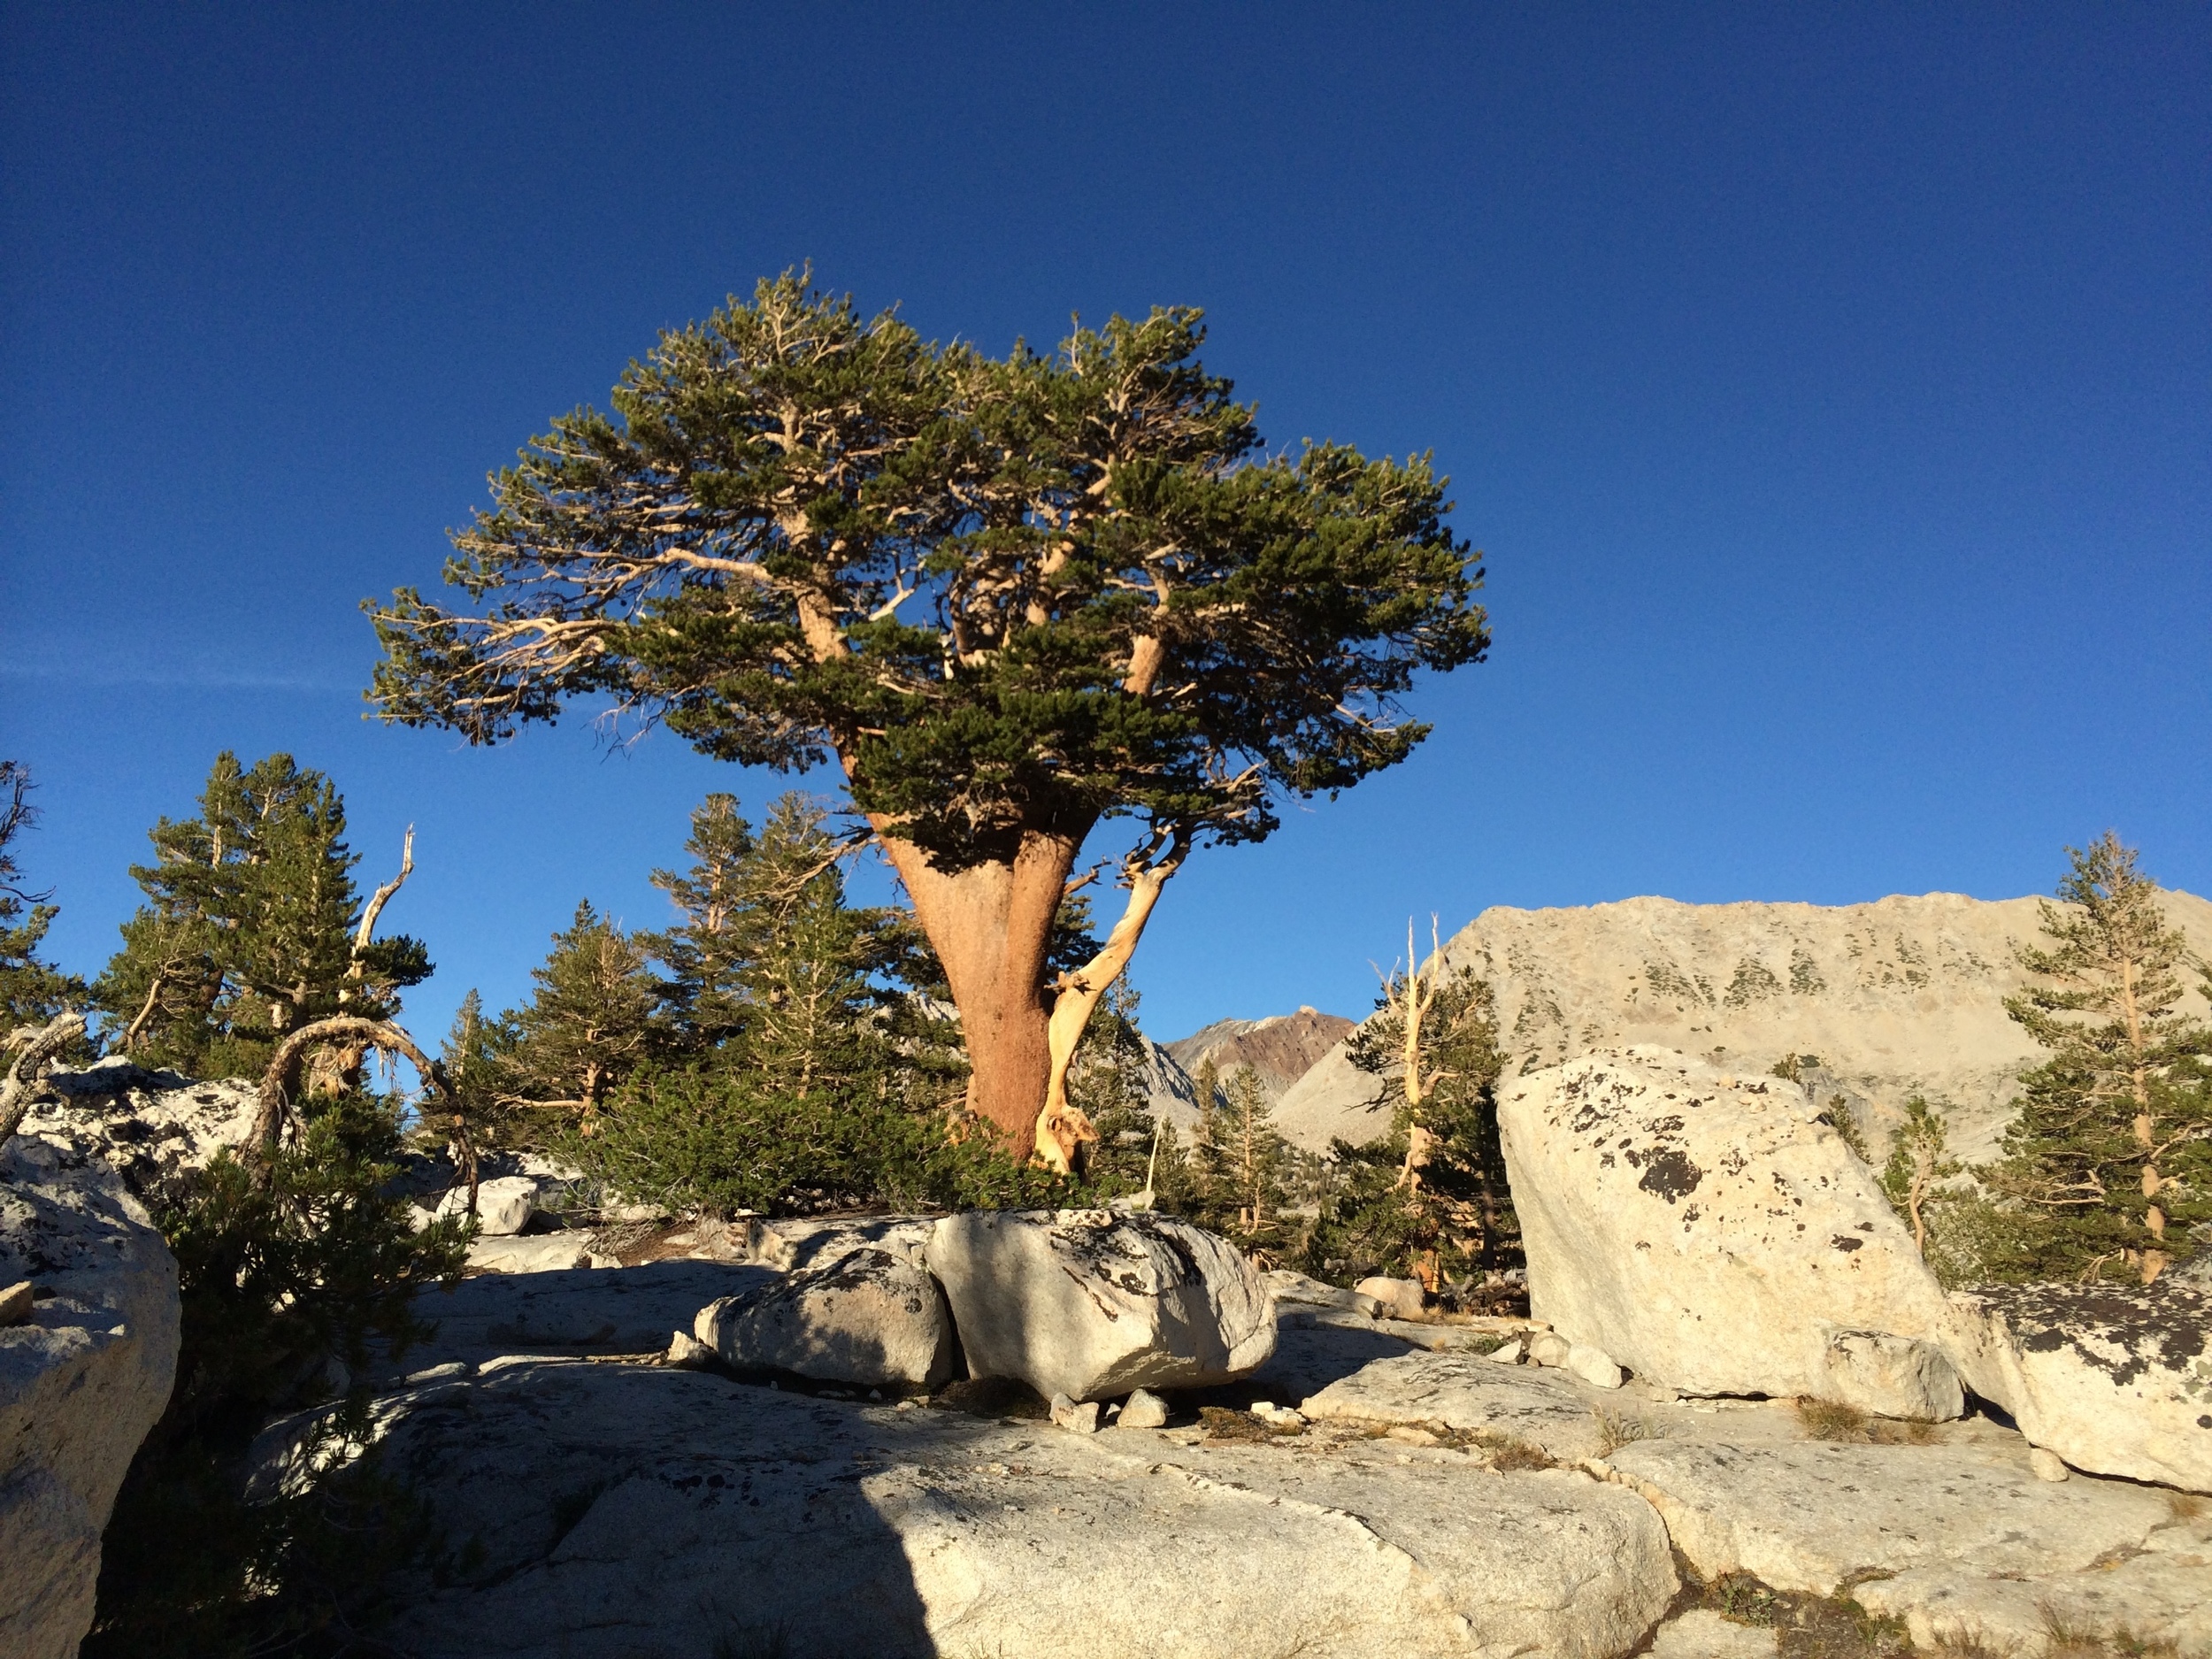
(1706, 1231)
(1092, 1304)
(2116, 1379)
(871, 1316)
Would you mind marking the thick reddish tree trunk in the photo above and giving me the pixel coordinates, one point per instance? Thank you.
(990, 926)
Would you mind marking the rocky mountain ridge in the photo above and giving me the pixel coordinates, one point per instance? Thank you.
(1878, 1002)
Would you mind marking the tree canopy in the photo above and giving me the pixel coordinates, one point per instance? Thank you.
(1010, 597)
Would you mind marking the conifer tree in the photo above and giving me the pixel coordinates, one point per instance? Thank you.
(591, 1021)
(1430, 1201)
(2111, 1157)
(1009, 599)
(804, 956)
(705, 953)
(32, 992)
(1244, 1163)
(253, 927)
(1919, 1162)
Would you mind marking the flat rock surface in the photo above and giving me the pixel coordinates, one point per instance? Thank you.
(1464, 1390)
(1701, 1633)
(1953, 1536)
(582, 1310)
(621, 1509)
(609, 1506)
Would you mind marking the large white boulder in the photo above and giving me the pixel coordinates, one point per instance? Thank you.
(871, 1316)
(2116, 1379)
(1091, 1303)
(1705, 1230)
(505, 1205)
(82, 1380)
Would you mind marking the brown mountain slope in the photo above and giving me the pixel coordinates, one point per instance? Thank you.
(1279, 1050)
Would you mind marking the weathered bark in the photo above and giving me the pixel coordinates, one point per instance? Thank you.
(1060, 1128)
(991, 924)
(282, 1077)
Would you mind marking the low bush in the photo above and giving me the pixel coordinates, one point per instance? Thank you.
(291, 1279)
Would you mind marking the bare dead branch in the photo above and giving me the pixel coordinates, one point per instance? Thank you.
(19, 1085)
(282, 1077)
(379, 899)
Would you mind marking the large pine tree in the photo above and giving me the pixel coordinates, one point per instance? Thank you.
(1009, 599)
(253, 927)
(2111, 1157)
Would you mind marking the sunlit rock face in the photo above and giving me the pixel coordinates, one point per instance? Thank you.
(1878, 1001)
(1705, 1230)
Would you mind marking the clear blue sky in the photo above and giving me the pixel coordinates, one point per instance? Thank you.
(1830, 388)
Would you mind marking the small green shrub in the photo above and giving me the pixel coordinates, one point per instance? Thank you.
(279, 1278)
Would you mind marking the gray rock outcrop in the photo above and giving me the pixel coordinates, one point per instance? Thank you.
(151, 1128)
(82, 1380)
(1093, 1303)
(1898, 997)
(665, 1511)
(1700, 1229)
(2115, 1378)
(1961, 1541)
(871, 1316)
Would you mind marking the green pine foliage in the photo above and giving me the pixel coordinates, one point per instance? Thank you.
(983, 538)
(248, 929)
(707, 952)
(1954, 1225)
(287, 1284)
(1238, 1161)
(593, 1018)
(2109, 1163)
(1456, 1223)
(31, 991)
(804, 956)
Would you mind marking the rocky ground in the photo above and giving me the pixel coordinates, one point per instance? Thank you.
(598, 1501)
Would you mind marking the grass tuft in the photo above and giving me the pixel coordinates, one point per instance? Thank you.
(1617, 1429)
(1828, 1420)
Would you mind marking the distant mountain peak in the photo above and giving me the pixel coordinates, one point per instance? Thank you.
(1281, 1048)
